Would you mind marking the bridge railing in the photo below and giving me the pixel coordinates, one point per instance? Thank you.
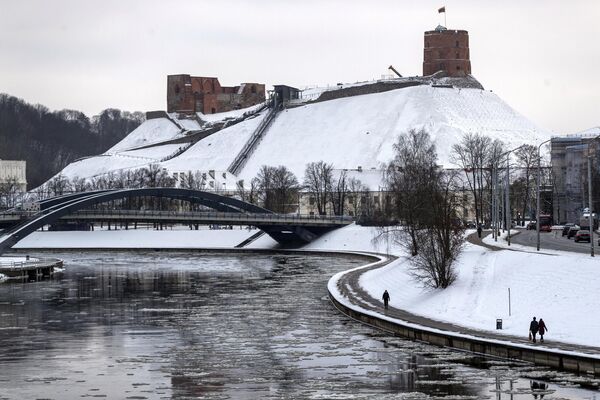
(214, 215)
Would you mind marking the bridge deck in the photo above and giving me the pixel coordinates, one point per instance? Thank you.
(196, 217)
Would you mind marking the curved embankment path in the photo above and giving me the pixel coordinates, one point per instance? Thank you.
(351, 299)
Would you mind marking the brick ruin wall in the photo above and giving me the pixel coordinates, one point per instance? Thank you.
(189, 94)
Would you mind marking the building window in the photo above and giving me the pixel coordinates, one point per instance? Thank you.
(458, 67)
(311, 201)
(253, 89)
(177, 89)
(457, 55)
(213, 110)
(457, 43)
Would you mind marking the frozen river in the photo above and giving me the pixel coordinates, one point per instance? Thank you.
(125, 325)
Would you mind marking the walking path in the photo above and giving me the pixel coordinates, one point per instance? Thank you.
(357, 303)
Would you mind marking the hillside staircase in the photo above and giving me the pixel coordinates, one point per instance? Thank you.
(239, 161)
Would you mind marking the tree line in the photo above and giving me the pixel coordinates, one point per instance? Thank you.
(50, 140)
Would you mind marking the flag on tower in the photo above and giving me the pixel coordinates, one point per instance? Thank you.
(442, 10)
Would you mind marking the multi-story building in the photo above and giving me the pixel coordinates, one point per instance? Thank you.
(569, 158)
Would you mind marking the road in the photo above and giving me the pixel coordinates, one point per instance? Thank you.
(549, 241)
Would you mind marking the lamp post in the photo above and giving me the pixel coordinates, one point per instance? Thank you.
(537, 197)
(507, 191)
(590, 200)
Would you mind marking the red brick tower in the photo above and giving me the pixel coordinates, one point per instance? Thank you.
(448, 51)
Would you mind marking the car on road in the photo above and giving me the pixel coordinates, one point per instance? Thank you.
(531, 225)
(566, 228)
(582, 235)
(572, 231)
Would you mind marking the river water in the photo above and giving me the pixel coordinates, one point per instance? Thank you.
(125, 325)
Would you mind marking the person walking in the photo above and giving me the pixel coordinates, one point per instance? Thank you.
(386, 299)
(542, 329)
(479, 231)
(533, 328)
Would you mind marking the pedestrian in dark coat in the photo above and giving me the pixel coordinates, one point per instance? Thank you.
(479, 231)
(533, 328)
(542, 329)
(386, 299)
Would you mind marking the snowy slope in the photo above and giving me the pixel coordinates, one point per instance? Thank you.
(216, 151)
(105, 163)
(359, 131)
(151, 131)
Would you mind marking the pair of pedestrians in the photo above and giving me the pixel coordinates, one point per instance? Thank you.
(536, 327)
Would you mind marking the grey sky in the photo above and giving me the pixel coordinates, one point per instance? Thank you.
(542, 57)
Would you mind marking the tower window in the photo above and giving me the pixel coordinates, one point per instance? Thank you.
(458, 67)
(457, 55)
(176, 89)
(457, 43)
(253, 89)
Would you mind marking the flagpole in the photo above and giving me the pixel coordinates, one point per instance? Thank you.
(445, 24)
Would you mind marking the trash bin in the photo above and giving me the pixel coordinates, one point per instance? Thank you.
(498, 323)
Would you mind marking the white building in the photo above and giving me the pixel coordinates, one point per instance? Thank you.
(13, 171)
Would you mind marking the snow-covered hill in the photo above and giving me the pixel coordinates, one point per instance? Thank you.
(347, 132)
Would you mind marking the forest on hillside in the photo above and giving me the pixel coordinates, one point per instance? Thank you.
(50, 140)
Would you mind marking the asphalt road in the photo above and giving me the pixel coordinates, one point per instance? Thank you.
(548, 240)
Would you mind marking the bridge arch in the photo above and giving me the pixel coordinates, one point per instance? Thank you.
(55, 208)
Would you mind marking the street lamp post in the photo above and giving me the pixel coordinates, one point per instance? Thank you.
(537, 197)
(591, 217)
(507, 190)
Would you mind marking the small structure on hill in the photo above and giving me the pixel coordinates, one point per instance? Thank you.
(191, 94)
(284, 93)
(446, 50)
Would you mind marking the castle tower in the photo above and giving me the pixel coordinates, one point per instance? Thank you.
(448, 51)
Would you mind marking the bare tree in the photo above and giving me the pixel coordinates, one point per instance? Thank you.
(472, 154)
(425, 204)
(318, 178)
(277, 188)
(9, 193)
(340, 189)
(527, 160)
(441, 238)
(409, 178)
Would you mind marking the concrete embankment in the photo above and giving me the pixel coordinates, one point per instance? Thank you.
(348, 297)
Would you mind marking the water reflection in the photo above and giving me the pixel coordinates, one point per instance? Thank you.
(132, 325)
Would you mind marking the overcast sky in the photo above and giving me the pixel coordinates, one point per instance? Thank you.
(541, 57)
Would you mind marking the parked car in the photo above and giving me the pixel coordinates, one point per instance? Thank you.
(546, 228)
(566, 228)
(572, 231)
(582, 235)
(531, 225)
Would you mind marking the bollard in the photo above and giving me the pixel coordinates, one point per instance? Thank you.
(498, 323)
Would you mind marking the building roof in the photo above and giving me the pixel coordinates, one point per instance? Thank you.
(290, 87)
